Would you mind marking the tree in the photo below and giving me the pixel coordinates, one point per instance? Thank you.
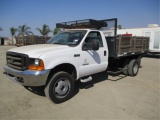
(13, 32)
(45, 30)
(119, 26)
(1, 29)
(55, 31)
(24, 30)
(101, 28)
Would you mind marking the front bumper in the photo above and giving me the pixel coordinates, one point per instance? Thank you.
(27, 77)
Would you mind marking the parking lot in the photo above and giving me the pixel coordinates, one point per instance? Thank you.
(104, 98)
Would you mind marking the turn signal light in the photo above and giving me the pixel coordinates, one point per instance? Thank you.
(37, 67)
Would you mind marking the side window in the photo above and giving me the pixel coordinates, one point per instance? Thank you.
(94, 35)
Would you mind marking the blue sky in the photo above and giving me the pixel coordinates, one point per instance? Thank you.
(35, 13)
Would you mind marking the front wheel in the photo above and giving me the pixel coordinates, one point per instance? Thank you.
(60, 88)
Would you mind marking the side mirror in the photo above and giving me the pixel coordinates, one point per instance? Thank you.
(94, 45)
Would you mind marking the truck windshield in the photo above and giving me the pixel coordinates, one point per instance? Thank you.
(71, 38)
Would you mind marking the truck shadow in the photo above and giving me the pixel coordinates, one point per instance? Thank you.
(78, 85)
(36, 90)
(152, 56)
(99, 77)
(96, 78)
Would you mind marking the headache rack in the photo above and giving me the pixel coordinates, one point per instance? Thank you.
(87, 23)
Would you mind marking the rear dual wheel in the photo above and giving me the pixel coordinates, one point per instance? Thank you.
(125, 66)
(132, 67)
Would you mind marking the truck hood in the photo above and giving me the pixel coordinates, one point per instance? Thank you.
(36, 51)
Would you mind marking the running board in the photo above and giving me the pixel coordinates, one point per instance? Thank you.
(117, 72)
(86, 80)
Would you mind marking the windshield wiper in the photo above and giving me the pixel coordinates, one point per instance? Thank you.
(71, 45)
(57, 43)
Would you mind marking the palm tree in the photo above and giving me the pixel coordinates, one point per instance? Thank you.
(24, 30)
(55, 31)
(13, 32)
(45, 30)
(1, 29)
(119, 26)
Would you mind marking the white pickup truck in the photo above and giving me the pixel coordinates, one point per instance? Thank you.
(74, 54)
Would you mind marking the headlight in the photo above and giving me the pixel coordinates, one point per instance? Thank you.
(35, 64)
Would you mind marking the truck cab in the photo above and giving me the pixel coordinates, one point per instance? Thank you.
(74, 52)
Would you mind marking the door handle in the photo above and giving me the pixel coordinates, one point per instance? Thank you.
(104, 53)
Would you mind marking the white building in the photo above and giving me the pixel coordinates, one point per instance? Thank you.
(7, 41)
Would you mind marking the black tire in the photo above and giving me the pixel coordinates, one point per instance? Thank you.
(125, 65)
(139, 61)
(60, 87)
(133, 67)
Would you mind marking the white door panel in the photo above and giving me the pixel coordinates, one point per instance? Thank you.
(154, 39)
(93, 62)
(156, 44)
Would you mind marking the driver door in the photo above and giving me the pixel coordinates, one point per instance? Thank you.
(93, 61)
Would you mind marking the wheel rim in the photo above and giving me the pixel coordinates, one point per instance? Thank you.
(61, 87)
(135, 69)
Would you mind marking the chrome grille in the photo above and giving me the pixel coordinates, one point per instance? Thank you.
(16, 60)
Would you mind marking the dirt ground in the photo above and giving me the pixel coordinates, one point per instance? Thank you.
(105, 98)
